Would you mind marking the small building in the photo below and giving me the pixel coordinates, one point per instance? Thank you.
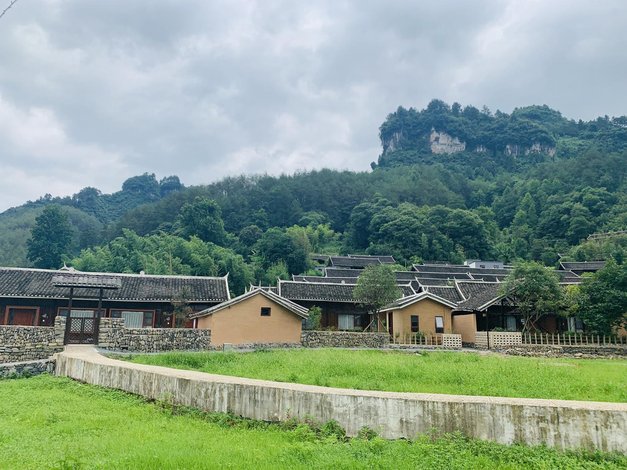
(259, 316)
(424, 313)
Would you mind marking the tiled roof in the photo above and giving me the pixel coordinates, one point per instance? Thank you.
(315, 291)
(584, 266)
(407, 289)
(328, 280)
(420, 276)
(457, 268)
(289, 305)
(384, 259)
(38, 283)
(425, 282)
(342, 272)
(448, 293)
(350, 262)
(478, 295)
(405, 275)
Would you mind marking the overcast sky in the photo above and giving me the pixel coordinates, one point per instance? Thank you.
(93, 92)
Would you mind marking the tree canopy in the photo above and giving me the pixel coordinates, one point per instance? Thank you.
(50, 238)
(376, 287)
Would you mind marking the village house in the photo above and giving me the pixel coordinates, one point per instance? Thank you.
(34, 297)
(258, 316)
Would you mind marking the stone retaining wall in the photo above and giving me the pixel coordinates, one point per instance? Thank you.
(556, 423)
(536, 350)
(344, 339)
(114, 336)
(26, 369)
(26, 343)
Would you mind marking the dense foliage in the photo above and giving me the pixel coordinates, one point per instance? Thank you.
(376, 287)
(50, 238)
(601, 300)
(489, 204)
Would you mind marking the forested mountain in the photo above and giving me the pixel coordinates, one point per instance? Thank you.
(451, 183)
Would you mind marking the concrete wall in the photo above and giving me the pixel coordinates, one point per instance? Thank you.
(555, 423)
(344, 339)
(113, 335)
(465, 325)
(242, 323)
(26, 343)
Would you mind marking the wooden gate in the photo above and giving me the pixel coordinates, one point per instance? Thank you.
(82, 330)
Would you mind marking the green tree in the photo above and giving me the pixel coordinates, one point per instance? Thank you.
(376, 287)
(50, 238)
(535, 290)
(602, 299)
(275, 245)
(202, 218)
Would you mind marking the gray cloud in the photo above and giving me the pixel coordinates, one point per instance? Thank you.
(93, 92)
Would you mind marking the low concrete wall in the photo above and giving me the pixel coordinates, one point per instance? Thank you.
(555, 423)
(114, 336)
(26, 369)
(343, 339)
(497, 339)
(26, 343)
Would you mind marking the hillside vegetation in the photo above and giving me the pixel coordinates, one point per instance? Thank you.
(530, 185)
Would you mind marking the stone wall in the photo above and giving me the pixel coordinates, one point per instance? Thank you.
(344, 339)
(562, 424)
(27, 343)
(579, 351)
(26, 369)
(114, 336)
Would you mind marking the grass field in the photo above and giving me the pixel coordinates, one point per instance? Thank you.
(432, 372)
(49, 422)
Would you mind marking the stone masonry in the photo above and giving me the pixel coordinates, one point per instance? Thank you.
(114, 336)
(27, 343)
(344, 339)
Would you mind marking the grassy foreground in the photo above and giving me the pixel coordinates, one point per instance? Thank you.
(432, 372)
(48, 422)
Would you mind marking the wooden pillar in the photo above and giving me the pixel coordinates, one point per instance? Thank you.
(100, 294)
(69, 304)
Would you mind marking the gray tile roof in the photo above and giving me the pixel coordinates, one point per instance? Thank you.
(350, 262)
(425, 282)
(582, 266)
(384, 259)
(477, 294)
(327, 280)
(406, 301)
(315, 291)
(420, 276)
(448, 293)
(457, 268)
(342, 272)
(38, 283)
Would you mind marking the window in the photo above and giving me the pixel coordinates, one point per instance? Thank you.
(25, 316)
(135, 318)
(510, 323)
(439, 324)
(79, 312)
(345, 322)
(265, 311)
(415, 324)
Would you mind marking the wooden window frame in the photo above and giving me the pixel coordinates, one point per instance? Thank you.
(21, 307)
(411, 323)
(266, 311)
(104, 310)
(154, 314)
(439, 330)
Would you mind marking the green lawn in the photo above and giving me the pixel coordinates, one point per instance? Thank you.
(432, 372)
(48, 422)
